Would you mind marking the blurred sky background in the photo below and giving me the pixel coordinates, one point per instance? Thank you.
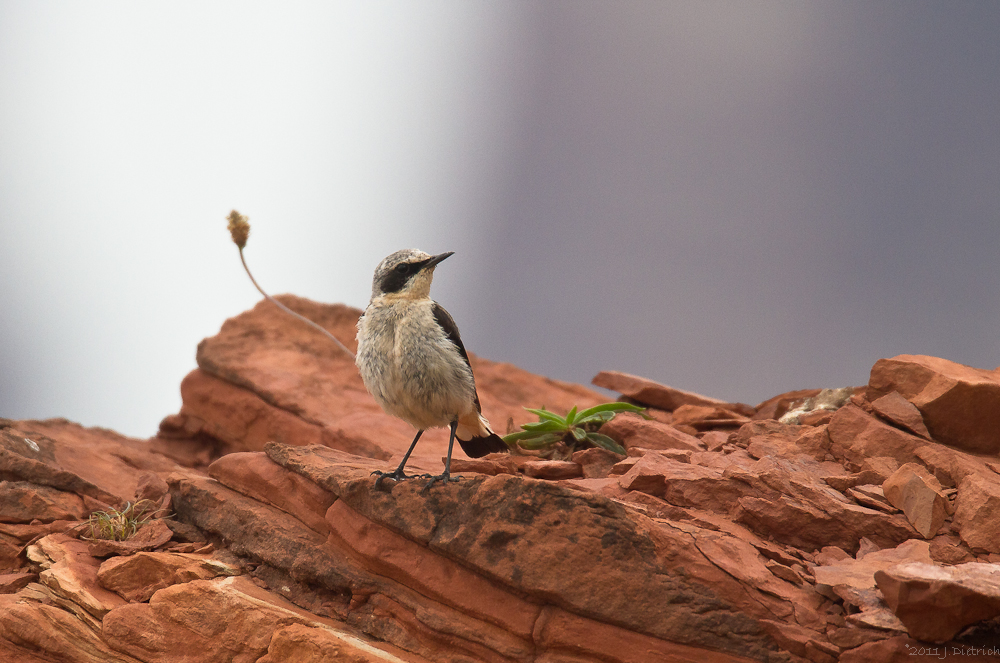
(735, 198)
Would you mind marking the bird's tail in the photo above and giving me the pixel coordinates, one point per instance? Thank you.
(477, 438)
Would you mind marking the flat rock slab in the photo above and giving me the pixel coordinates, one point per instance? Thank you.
(633, 432)
(527, 527)
(659, 395)
(137, 577)
(936, 602)
(960, 405)
(91, 462)
(897, 410)
(228, 619)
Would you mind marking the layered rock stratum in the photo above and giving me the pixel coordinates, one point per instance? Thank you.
(852, 525)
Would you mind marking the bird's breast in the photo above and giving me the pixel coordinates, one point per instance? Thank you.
(410, 366)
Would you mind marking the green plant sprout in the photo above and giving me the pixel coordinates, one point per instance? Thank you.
(121, 524)
(576, 428)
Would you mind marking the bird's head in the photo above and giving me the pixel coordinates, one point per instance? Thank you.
(406, 274)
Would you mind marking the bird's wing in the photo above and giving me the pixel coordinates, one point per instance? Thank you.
(451, 330)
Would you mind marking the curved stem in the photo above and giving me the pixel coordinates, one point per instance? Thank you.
(290, 311)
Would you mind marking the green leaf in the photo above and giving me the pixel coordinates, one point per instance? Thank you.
(545, 414)
(570, 416)
(606, 442)
(599, 417)
(522, 435)
(546, 440)
(544, 426)
(612, 407)
(579, 433)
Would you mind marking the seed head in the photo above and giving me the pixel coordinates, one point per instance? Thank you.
(239, 228)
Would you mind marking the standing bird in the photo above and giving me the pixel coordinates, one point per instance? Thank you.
(413, 362)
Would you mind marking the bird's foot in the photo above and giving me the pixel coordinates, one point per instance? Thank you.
(396, 476)
(442, 478)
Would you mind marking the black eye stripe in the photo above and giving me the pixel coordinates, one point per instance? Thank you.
(410, 267)
(396, 279)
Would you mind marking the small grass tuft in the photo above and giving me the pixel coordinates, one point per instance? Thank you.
(122, 524)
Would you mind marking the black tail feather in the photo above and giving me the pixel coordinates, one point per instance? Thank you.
(478, 447)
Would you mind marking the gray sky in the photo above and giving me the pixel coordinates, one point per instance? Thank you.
(736, 198)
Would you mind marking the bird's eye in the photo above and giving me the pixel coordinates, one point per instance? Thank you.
(403, 268)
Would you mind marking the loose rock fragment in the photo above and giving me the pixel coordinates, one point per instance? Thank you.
(936, 602)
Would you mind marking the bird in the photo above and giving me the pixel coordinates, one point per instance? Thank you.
(414, 364)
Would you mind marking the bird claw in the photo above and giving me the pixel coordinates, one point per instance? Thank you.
(443, 478)
(396, 476)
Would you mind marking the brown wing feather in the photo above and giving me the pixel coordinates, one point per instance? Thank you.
(451, 330)
(481, 445)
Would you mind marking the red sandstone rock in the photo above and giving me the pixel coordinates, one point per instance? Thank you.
(151, 487)
(93, 463)
(900, 412)
(684, 484)
(206, 620)
(936, 602)
(471, 571)
(874, 497)
(771, 438)
(560, 518)
(802, 642)
(631, 431)
(658, 395)
(137, 577)
(405, 561)
(977, 512)
(596, 462)
(947, 549)
(791, 503)
(949, 466)
(552, 469)
(877, 469)
(856, 436)
(495, 463)
(715, 440)
(705, 417)
(23, 502)
(571, 636)
(912, 489)
(14, 538)
(853, 580)
(960, 404)
(238, 419)
(150, 536)
(257, 476)
(12, 582)
(57, 634)
(299, 643)
(70, 573)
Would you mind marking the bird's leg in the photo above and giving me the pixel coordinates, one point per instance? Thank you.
(398, 474)
(446, 477)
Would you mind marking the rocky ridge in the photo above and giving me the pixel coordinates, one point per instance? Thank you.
(854, 525)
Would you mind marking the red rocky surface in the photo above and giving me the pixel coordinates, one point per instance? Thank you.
(724, 535)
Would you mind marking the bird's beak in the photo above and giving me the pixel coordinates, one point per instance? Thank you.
(438, 258)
